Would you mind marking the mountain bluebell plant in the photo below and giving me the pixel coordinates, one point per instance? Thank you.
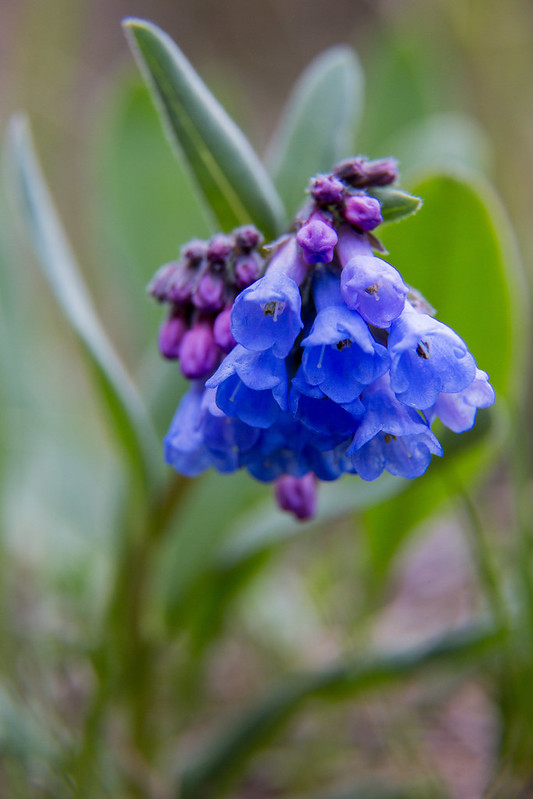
(311, 357)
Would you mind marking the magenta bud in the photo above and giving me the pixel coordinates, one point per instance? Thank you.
(381, 172)
(222, 330)
(219, 248)
(247, 238)
(360, 172)
(297, 495)
(194, 251)
(209, 294)
(198, 352)
(326, 190)
(362, 211)
(159, 285)
(171, 335)
(247, 270)
(317, 240)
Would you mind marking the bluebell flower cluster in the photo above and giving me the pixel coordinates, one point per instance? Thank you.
(312, 358)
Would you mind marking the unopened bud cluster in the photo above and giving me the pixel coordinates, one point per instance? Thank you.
(200, 289)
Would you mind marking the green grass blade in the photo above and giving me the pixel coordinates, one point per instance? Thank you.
(228, 172)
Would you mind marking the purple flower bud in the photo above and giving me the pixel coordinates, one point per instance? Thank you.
(198, 352)
(194, 251)
(360, 172)
(327, 190)
(247, 269)
(362, 211)
(381, 172)
(317, 240)
(162, 280)
(219, 248)
(222, 330)
(181, 285)
(247, 238)
(209, 294)
(171, 335)
(297, 495)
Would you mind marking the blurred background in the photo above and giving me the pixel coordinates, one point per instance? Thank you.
(448, 84)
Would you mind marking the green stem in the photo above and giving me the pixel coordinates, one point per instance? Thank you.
(348, 678)
(125, 660)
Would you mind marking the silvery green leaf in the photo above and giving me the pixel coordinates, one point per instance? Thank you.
(227, 171)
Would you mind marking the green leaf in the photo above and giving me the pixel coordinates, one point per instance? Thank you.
(227, 170)
(459, 251)
(319, 123)
(145, 208)
(395, 204)
(130, 420)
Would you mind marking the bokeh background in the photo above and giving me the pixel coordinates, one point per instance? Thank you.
(448, 83)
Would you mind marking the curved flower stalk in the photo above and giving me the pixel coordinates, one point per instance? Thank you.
(311, 358)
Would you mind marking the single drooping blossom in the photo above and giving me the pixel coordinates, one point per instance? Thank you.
(311, 358)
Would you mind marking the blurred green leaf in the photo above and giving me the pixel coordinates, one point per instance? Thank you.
(405, 79)
(348, 678)
(228, 172)
(145, 209)
(200, 529)
(130, 420)
(440, 141)
(224, 539)
(319, 123)
(459, 251)
(395, 204)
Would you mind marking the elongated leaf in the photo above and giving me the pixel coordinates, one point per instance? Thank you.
(395, 204)
(319, 123)
(228, 172)
(459, 251)
(130, 421)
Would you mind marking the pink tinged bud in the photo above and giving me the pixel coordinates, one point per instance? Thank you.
(219, 248)
(247, 270)
(198, 352)
(247, 238)
(222, 330)
(180, 287)
(362, 211)
(171, 335)
(360, 172)
(381, 172)
(194, 251)
(327, 190)
(162, 281)
(297, 495)
(317, 240)
(209, 294)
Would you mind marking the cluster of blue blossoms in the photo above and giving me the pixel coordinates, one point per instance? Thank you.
(311, 357)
